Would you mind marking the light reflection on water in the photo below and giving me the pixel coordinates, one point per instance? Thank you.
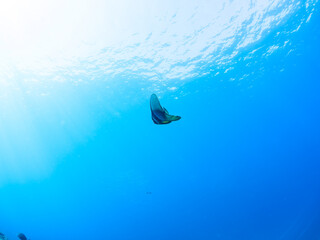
(169, 41)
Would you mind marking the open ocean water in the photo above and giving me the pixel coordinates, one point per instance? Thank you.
(80, 157)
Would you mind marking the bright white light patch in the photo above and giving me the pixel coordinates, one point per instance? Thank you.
(154, 39)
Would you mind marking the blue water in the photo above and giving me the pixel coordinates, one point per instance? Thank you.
(87, 162)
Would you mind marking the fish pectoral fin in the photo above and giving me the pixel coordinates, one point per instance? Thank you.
(165, 122)
(174, 118)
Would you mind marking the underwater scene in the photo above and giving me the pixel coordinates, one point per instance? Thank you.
(160, 120)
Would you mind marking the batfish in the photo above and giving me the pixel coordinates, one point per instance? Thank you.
(160, 115)
(21, 236)
(3, 237)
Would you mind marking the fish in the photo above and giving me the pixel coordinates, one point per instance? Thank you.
(3, 237)
(159, 114)
(21, 236)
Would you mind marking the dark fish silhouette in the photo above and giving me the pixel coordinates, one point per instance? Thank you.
(3, 237)
(160, 115)
(21, 236)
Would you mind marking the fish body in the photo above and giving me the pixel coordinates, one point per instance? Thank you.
(159, 114)
(21, 236)
(3, 237)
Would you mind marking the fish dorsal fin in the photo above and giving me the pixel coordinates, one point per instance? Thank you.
(165, 110)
